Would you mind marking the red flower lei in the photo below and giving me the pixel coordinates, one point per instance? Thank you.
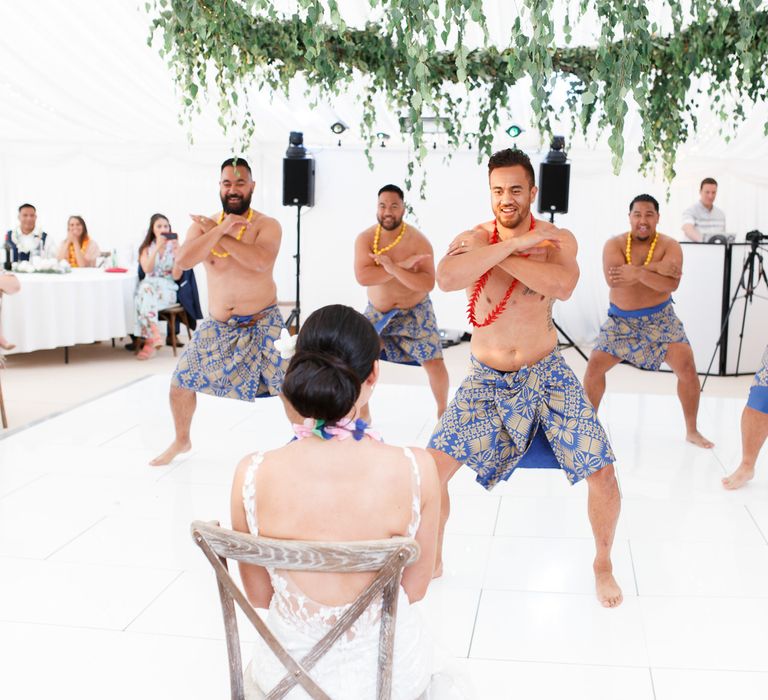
(480, 285)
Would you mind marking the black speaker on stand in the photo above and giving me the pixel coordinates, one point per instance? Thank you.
(554, 186)
(298, 191)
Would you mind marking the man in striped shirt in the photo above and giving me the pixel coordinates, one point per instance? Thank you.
(704, 219)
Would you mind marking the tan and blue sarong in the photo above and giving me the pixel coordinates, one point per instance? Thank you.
(408, 336)
(758, 392)
(537, 417)
(641, 337)
(236, 359)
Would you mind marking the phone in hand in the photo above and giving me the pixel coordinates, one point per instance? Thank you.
(170, 236)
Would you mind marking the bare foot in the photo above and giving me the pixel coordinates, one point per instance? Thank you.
(166, 457)
(608, 591)
(438, 572)
(698, 439)
(740, 477)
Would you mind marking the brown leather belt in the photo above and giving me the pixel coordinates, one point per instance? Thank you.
(252, 321)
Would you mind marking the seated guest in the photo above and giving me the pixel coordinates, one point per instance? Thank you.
(9, 284)
(157, 257)
(79, 248)
(704, 219)
(754, 428)
(27, 239)
(337, 482)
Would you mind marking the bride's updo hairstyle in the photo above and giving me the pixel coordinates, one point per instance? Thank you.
(335, 352)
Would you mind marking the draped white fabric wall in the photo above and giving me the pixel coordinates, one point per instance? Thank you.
(89, 126)
(117, 188)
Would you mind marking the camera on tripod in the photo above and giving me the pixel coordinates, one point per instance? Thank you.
(756, 236)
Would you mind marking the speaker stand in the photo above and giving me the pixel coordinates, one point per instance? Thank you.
(294, 318)
(569, 343)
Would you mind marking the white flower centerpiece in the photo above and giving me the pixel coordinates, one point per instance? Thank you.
(47, 265)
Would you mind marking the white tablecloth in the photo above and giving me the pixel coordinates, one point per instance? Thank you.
(53, 311)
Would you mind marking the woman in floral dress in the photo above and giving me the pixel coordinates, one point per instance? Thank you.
(157, 257)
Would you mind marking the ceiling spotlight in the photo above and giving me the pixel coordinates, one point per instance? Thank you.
(514, 131)
(383, 138)
(339, 127)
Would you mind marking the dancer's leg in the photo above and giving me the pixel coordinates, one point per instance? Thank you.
(446, 468)
(680, 358)
(604, 505)
(183, 404)
(438, 381)
(594, 376)
(754, 431)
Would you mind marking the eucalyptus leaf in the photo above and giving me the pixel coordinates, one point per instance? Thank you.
(414, 58)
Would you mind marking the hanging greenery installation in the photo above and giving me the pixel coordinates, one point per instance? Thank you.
(415, 57)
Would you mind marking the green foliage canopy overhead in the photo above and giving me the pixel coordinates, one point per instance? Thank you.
(416, 59)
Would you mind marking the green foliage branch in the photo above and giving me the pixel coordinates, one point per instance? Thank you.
(416, 59)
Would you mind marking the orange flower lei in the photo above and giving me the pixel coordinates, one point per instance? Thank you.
(480, 285)
(237, 238)
(71, 248)
(377, 235)
(628, 251)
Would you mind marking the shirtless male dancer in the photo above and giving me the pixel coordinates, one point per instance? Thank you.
(395, 262)
(521, 405)
(232, 353)
(754, 428)
(643, 267)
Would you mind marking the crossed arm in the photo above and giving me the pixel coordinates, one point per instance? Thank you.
(470, 255)
(416, 272)
(205, 234)
(661, 276)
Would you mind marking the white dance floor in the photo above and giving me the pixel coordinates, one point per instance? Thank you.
(103, 593)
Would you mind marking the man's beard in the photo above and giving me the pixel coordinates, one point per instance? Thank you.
(397, 223)
(236, 206)
(512, 220)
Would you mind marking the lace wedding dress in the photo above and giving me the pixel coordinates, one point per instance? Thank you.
(348, 671)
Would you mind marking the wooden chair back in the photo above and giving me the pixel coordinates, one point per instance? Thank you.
(388, 557)
(169, 314)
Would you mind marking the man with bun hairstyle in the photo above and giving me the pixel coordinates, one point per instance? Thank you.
(232, 353)
(521, 405)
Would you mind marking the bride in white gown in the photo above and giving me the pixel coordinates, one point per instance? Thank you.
(337, 481)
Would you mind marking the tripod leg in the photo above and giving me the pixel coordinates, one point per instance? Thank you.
(741, 332)
(293, 321)
(570, 342)
(747, 269)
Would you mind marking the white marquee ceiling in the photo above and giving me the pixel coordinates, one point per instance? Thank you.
(80, 72)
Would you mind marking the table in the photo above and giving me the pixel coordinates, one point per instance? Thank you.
(711, 275)
(54, 311)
